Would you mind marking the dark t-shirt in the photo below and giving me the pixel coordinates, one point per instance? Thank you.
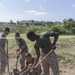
(21, 42)
(44, 42)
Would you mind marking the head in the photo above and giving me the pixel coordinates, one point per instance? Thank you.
(6, 31)
(31, 36)
(28, 57)
(17, 35)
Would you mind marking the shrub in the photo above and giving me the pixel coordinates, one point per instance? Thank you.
(59, 29)
(73, 30)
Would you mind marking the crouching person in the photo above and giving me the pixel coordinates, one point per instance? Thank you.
(29, 65)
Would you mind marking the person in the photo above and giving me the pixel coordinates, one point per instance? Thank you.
(43, 42)
(29, 62)
(22, 50)
(3, 54)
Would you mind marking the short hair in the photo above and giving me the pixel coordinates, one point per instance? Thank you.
(6, 29)
(17, 34)
(30, 33)
(28, 55)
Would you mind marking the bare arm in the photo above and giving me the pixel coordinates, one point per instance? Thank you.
(56, 35)
(24, 69)
(21, 50)
(37, 56)
(52, 34)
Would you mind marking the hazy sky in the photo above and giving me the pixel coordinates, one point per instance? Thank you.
(46, 10)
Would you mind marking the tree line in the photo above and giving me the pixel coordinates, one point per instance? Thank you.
(67, 26)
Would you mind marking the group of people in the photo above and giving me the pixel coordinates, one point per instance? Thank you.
(27, 61)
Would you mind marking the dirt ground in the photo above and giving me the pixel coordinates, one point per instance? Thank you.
(64, 70)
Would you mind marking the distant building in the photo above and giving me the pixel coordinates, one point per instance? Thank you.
(28, 22)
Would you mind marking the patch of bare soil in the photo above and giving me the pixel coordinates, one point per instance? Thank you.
(66, 47)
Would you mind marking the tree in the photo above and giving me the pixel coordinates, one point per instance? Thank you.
(69, 23)
(64, 22)
(11, 22)
(18, 22)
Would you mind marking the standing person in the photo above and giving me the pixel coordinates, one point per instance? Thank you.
(44, 43)
(3, 54)
(23, 49)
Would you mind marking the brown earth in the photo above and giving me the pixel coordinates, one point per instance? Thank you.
(64, 70)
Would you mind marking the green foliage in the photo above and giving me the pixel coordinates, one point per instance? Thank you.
(58, 28)
(67, 27)
(73, 30)
(38, 29)
(69, 24)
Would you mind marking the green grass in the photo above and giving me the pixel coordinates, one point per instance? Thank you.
(67, 40)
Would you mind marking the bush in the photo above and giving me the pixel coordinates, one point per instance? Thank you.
(73, 30)
(59, 29)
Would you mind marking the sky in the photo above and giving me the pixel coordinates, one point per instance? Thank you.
(41, 10)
